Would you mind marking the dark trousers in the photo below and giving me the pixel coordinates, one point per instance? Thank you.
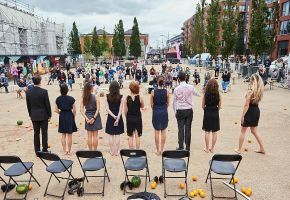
(43, 125)
(184, 121)
(5, 86)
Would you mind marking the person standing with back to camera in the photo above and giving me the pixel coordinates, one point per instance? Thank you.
(251, 112)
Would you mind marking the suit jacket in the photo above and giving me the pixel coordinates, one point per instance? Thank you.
(38, 104)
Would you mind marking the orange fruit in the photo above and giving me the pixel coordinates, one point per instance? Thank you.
(249, 141)
(49, 146)
(182, 186)
(244, 190)
(191, 194)
(29, 187)
(246, 149)
(248, 192)
(153, 185)
(199, 191)
(195, 192)
(202, 194)
(194, 178)
(234, 181)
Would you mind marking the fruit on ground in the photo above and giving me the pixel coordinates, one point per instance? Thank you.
(49, 146)
(195, 192)
(153, 185)
(199, 191)
(182, 186)
(21, 189)
(194, 178)
(244, 190)
(30, 187)
(246, 149)
(19, 122)
(234, 181)
(248, 193)
(191, 194)
(136, 181)
(249, 141)
(202, 194)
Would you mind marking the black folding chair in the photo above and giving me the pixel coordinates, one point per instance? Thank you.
(136, 161)
(57, 166)
(18, 168)
(222, 164)
(94, 162)
(175, 162)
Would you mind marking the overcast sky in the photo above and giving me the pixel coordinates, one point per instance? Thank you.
(155, 17)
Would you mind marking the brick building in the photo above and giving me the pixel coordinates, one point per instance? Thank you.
(144, 38)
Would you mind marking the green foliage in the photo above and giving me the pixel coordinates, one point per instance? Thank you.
(259, 37)
(104, 45)
(75, 44)
(119, 40)
(95, 45)
(87, 45)
(273, 21)
(212, 31)
(229, 28)
(135, 44)
(239, 45)
(196, 39)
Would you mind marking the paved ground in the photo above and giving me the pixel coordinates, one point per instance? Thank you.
(267, 175)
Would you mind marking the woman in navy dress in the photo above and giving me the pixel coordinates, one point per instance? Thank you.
(65, 107)
(114, 125)
(159, 103)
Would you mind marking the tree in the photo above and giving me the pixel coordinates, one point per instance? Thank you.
(196, 39)
(239, 44)
(135, 44)
(212, 31)
(87, 47)
(273, 23)
(75, 40)
(259, 38)
(202, 36)
(229, 28)
(104, 44)
(95, 45)
(116, 43)
(121, 38)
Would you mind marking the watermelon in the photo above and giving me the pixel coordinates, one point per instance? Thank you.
(136, 181)
(19, 122)
(21, 189)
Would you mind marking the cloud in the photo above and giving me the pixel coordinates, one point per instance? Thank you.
(155, 17)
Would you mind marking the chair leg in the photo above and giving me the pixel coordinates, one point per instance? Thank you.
(164, 181)
(45, 192)
(186, 183)
(148, 173)
(107, 174)
(68, 178)
(124, 190)
(211, 189)
(29, 181)
(31, 174)
(103, 193)
(207, 176)
(235, 190)
(6, 191)
(146, 179)
(86, 176)
(3, 180)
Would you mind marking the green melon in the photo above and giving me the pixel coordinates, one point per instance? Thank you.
(19, 122)
(21, 189)
(136, 181)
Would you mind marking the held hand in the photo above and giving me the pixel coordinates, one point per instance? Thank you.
(92, 121)
(116, 123)
(144, 109)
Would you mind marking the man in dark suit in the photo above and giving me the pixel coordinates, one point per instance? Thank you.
(39, 110)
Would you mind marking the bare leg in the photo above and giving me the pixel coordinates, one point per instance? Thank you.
(130, 142)
(163, 139)
(241, 139)
(111, 144)
(206, 139)
(137, 139)
(63, 142)
(90, 142)
(259, 140)
(69, 142)
(156, 132)
(95, 140)
(117, 145)
(213, 141)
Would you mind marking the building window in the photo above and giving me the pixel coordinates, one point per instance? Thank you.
(242, 8)
(286, 9)
(285, 27)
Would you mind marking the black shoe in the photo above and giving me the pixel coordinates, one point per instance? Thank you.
(179, 149)
(156, 179)
(161, 179)
(187, 148)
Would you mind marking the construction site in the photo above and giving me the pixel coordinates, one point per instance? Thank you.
(24, 34)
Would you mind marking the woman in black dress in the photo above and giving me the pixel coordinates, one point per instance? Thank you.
(65, 107)
(132, 108)
(251, 112)
(115, 125)
(211, 104)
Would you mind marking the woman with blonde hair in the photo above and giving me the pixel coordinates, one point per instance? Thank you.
(93, 123)
(251, 112)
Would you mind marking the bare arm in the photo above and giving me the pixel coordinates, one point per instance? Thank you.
(174, 101)
(74, 110)
(151, 99)
(120, 109)
(125, 107)
(98, 106)
(246, 105)
(83, 112)
(56, 109)
(108, 109)
(203, 102)
(220, 103)
(168, 99)
(142, 106)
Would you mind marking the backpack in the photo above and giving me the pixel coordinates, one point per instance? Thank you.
(144, 196)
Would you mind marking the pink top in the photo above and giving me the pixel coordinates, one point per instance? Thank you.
(183, 94)
(14, 71)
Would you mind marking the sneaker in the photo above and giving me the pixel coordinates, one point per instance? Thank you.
(179, 149)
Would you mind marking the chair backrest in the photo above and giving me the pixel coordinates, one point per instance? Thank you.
(89, 154)
(175, 154)
(227, 157)
(47, 156)
(9, 159)
(132, 153)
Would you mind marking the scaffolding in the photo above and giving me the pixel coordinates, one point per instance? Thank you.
(22, 33)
